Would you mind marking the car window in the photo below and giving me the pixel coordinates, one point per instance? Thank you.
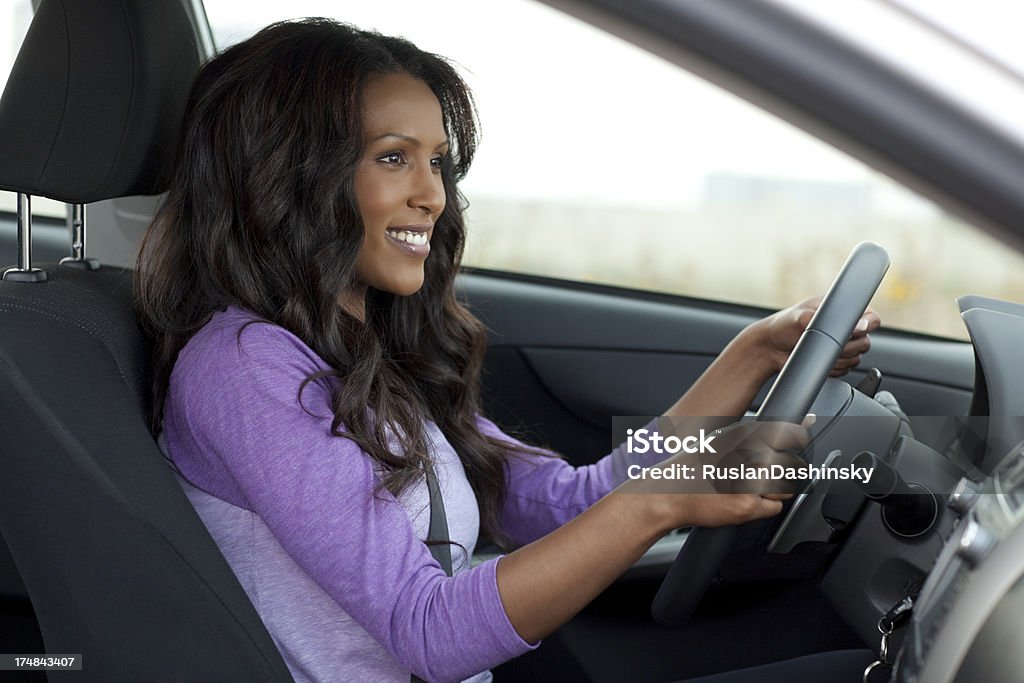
(15, 16)
(602, 163)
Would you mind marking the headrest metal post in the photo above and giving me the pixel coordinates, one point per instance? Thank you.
(24, 231)
(76, 217)
(24, 272)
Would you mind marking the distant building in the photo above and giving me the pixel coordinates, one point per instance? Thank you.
(730, 189)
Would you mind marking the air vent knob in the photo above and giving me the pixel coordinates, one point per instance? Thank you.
(976, 542)
(963, 496)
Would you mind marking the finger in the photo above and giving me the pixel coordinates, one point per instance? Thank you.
(844, 366)
(874, 320)
(777, 496)
(781, 436)
(855, 347)
(869, 322)
(850, 359)
(769, 507)
(847, 363)
(803, 318)
(810, 304)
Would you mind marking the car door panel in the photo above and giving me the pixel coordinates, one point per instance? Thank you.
(563, 360)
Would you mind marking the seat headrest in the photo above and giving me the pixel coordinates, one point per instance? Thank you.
(94, 103)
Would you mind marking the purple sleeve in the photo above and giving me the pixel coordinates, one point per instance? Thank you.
(249, 442)
(544, 491)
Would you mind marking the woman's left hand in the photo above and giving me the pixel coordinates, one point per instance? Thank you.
(780, 332)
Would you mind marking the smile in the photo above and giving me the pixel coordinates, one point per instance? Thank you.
(414, 240)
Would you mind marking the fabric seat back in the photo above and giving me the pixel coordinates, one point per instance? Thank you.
(117, 564)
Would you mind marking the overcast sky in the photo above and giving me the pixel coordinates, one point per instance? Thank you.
(568, 110)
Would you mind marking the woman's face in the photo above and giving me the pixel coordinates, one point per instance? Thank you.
(398, 184)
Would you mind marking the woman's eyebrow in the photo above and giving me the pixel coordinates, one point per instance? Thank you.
(407, 138)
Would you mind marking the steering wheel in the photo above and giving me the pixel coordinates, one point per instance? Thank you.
(792, 394)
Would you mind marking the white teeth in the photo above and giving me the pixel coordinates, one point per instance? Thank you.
(416, 238)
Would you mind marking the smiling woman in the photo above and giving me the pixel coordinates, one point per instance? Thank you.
(317, 384)
(303, 189)
(398, 184)
(319, 362)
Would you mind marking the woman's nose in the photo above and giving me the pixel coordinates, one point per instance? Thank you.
(428, 191)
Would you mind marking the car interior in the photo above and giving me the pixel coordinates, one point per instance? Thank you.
(79, 462)
(102, 555)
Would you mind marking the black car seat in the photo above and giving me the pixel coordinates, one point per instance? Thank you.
(117, 565)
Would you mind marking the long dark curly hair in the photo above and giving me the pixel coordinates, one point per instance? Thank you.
(261, 214)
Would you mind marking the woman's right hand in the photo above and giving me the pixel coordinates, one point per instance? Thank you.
(709, 502)
(548, 581)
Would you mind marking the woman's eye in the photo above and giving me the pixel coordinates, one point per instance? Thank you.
(437, 162)
(392, 158)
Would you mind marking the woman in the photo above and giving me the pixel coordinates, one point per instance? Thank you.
(312, 363)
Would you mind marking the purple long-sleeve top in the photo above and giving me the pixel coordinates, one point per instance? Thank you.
(339, 575)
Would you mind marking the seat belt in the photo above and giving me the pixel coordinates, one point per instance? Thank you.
(437, 531)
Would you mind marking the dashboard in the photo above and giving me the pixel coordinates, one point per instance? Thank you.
(965, 621)
(963, 562)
